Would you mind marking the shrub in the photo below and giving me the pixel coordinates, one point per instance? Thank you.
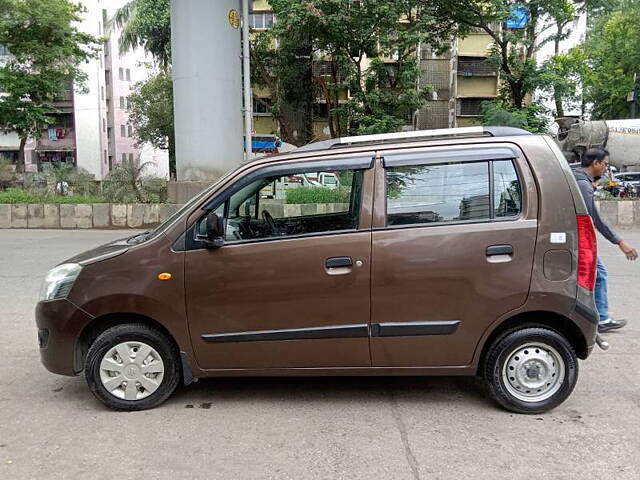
(127, 184)
(18, 195)
(7, 173)
(318, 195)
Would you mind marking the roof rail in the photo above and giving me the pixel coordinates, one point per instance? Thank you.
(414, 135)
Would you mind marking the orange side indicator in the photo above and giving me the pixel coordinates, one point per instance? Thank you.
(164, 276)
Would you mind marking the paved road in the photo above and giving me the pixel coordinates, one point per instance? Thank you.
(351, 428)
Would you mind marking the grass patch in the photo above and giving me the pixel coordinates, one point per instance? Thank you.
(17, 195)
(318, 195)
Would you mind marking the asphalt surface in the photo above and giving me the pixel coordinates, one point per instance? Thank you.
(318, 428)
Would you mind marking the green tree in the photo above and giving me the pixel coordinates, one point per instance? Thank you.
(513, 49)
(370, 49)
(561, 77)
(613, 58)
(46, 50)
(151, 113)
(146, 24)
(528, 117)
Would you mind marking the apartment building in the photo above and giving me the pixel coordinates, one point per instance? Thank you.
(92, 129)
(461, 79)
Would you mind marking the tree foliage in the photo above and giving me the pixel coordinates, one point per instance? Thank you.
(528, 117)
(146, 24)
(513, 50)
(368, 47)
(612, 56)
(561, 77)
(46, 50)
(151, 113)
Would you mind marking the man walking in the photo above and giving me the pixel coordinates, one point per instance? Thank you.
(595, 162)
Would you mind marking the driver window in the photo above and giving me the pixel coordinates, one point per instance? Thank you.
(294, 204)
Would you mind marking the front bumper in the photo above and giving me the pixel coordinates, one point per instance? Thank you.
(60, 324)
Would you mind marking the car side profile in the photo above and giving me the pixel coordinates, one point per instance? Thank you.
(446, 252)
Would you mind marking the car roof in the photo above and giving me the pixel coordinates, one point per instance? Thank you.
(353, 146)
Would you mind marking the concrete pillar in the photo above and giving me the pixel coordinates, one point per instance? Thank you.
(207, 80)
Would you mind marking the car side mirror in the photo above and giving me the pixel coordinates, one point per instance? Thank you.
(215, 231)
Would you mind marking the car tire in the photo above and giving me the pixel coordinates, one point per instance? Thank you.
(530, 370)
(132, 367)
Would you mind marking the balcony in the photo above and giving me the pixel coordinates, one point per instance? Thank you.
(476, 67)
(57, 139)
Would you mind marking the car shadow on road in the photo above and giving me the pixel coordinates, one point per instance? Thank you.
(333, 390)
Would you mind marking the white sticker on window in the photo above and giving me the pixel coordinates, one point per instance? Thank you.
(558, 237)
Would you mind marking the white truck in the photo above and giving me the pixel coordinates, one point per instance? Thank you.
(620, 137)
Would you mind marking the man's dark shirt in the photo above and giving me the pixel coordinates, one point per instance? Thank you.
(585, 182)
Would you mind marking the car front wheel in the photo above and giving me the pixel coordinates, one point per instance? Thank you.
(531, 370)
(132, 367)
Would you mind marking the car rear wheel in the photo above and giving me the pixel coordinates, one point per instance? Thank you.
(132, 367)
(531, 370)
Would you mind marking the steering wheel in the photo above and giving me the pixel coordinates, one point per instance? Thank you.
(268, 219)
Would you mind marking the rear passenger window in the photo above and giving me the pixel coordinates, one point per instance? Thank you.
(452, 192)
(438, 193)
(507, 193)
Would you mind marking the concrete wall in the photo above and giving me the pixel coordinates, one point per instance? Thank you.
(619, 214)
(82, 216)
(477, 86)
(475, 44)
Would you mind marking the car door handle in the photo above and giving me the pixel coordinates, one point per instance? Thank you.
(494, 250)
(338, 262)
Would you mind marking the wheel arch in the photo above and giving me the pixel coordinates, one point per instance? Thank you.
(540, 318)
(104, 322)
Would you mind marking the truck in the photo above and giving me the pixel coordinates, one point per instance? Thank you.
(620, 137)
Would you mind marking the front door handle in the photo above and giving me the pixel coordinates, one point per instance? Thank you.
(338, 262)
(494, 250)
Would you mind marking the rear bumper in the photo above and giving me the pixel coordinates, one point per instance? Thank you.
(585, 316)
(60, 324)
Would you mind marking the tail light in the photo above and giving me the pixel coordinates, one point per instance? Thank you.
(587, 252)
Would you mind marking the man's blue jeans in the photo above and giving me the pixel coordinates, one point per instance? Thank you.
(602, 299)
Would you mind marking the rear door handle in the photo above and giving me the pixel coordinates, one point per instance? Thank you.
(499, 250)
(338, 262)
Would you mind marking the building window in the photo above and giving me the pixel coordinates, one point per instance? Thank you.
(121, 73)
(261, 20)
(102, 93)
(105, 156)
(261, 105)
(131, 157)
(320, 110)
(128, 75)
(122, 102)
(104, 125)
(109, 133)
(123, 131)
(130, 131)
(470, 106)
(124, 157)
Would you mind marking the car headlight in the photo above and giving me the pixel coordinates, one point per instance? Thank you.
(58, 282)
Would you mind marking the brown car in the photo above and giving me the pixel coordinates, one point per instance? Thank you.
(448, 252)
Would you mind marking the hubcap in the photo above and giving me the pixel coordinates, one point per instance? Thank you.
(131, 370)
(533, 372)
